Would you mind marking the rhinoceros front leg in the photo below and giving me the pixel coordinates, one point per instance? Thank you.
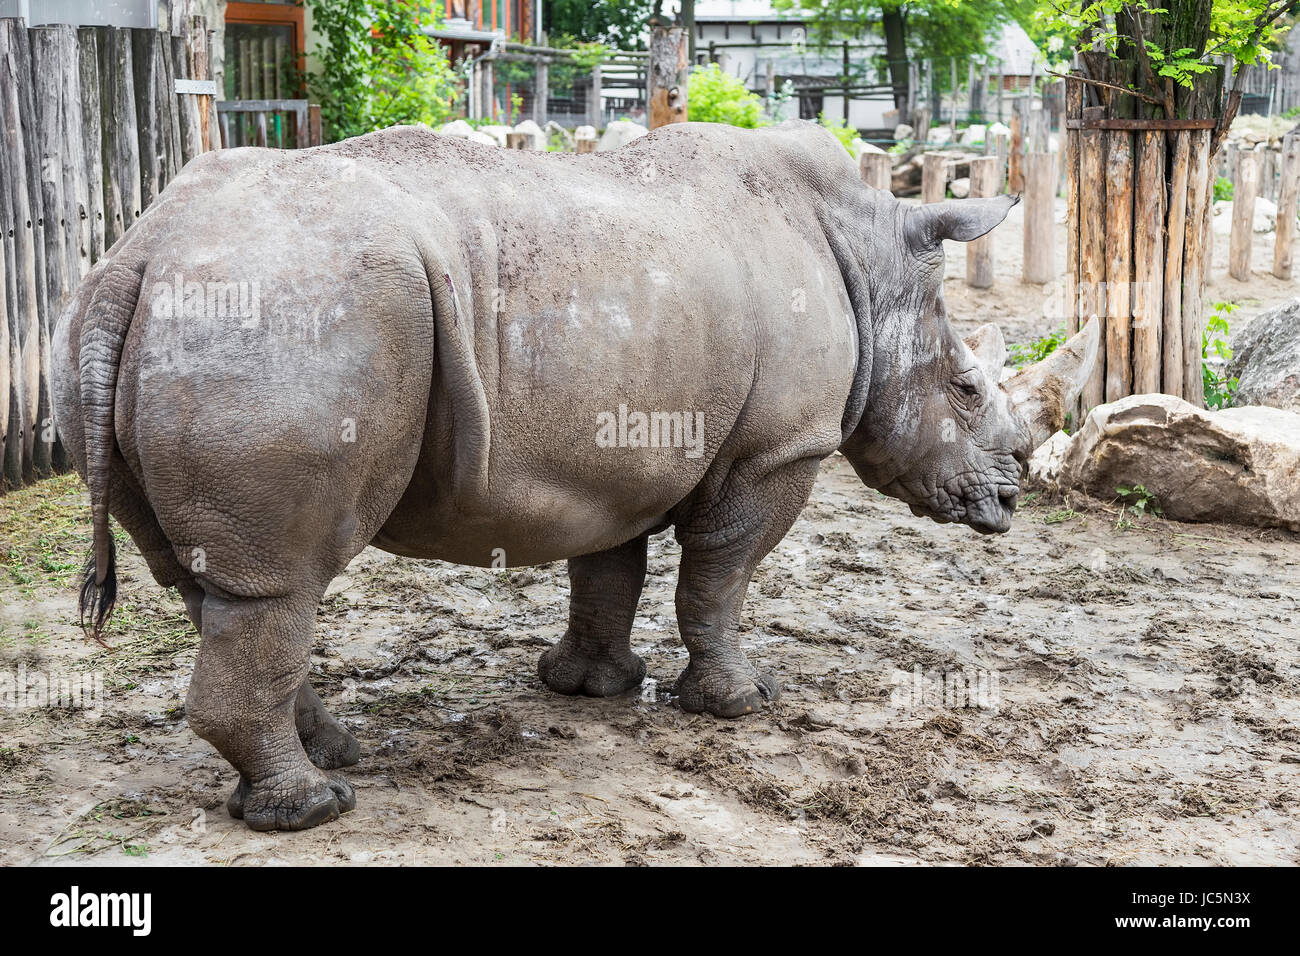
(594, 657)
(243, 699)
(722, 543)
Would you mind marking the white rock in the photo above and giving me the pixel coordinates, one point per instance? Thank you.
(1265, 216)
(973, 134)
(904, 131)
(585, 132)
(960, 187)
(534, 132)
(458, 128)
(1237, 465)
(868, 147)
(940, 135)
(478, 136)
(498, 133)
(1045, 462)
(997, 129)
(620, 133)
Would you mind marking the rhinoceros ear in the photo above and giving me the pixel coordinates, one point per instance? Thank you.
(990, 350)
(960, 219)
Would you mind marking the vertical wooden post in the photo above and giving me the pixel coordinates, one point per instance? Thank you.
(1148, 260)
(985, 181)
(541, 92)
(921, 128)
(877, 170)
(1288, 193)
(1119, 263)
(934, 177)
(1245, 188)
(1069, 148)
(668, 74)
(1040, 193)
(1002, 149)
(199, 70)
(144, 45)
(91, 138)
(46, 142)
(1193, 306)
(1171, 363)
(1015, 169)
(1092, 247)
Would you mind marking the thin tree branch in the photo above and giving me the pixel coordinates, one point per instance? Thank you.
(1110, 86)
(1140, 39)
(1262, 22)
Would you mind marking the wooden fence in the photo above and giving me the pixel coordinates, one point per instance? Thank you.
(97, 120)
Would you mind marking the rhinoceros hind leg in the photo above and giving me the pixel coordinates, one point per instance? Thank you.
(718, 559)
(252, 661)
(594, 657)
(328, 743)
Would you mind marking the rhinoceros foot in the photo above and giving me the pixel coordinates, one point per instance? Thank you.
(293, 803)
(725, 690)
(327, 742)
(572, 667)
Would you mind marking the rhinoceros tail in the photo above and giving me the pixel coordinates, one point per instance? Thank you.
(103, 333)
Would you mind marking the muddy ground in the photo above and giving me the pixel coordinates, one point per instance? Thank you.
(1121, 689)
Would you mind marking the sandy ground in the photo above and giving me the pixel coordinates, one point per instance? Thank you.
(1121, 690)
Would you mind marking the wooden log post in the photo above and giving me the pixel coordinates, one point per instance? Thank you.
(91, 138)
(1119, 263)
(876, 169)
(1092, 248)
(46, 78)
(144, 46)
(1288, 194)
(1016, 150)
(121, 142)
(1199, 184)
(585, 144)
(1148, 259)
(11, 398)
(519, 141)
(1039, 243)
(985, 181)
(1002, 150)
(209, 135)
(1171, 340)
(27, 243)
(934, 177)
(1245, 188)
(187, 105)
(541, 92)
(1069, 148)
(667, 75)
(921, 128)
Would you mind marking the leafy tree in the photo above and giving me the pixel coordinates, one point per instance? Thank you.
(1173, 44)
(912, 29)
(377, 68)
(716, 97)
(619, 23)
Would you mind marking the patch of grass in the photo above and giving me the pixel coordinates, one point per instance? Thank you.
(1036, 351)
(46, 532)
(1061, 516)
(150, 640)
(98, 829)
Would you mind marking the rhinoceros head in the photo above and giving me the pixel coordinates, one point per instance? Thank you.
(938, 431)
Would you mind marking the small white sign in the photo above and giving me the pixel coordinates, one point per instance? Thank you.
(197, 87)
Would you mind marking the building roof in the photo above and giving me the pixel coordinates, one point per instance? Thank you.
(1014, 48)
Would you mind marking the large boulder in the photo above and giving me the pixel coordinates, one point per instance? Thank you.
(1239, 465)
(620, 133)
(1266, 359)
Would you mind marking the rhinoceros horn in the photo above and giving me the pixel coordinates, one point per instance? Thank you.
(990, 350)
(1043, 393)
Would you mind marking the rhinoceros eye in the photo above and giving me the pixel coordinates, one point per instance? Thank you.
(967, 384)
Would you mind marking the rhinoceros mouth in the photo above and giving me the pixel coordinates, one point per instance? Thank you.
(987, 514)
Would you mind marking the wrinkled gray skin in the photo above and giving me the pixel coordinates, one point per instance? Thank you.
(439, 326)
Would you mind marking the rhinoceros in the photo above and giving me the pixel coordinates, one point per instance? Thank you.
(503, 358)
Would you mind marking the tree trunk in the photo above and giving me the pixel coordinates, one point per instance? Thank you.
(891, 21)
(668, 74)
